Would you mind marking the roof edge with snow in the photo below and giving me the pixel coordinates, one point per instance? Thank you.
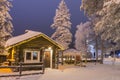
(28, 36)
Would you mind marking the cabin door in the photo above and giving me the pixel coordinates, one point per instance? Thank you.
(47, 59)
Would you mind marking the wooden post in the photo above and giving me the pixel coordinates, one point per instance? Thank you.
(62, 58)
(86, 54)
(43, 68)
(114, 57)
(102, 51)
(96, 44)
(114, 47)
(20, 69)
(13, 52)
(75, 60)
(57, 60)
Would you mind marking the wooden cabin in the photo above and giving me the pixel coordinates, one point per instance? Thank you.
(72, 56)
(32, 47)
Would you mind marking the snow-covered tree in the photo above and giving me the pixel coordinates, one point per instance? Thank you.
(106, 17)
(82, 36)
(90, 7)
(62, 25)
(6, 27)
(109, 24)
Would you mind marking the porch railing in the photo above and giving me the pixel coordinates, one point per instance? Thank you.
(22, 66)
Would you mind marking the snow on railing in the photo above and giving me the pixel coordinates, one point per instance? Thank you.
(20, 68)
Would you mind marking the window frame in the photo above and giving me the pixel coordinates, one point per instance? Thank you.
(32, 60)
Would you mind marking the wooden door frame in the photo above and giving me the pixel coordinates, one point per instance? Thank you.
(51, 56)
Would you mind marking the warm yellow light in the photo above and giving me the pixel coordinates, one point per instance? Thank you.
(49, 48)
(13, 51)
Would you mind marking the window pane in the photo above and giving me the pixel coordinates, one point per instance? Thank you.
(28, 55)
(35, 55)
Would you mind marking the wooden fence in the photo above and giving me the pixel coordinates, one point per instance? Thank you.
(20, 69)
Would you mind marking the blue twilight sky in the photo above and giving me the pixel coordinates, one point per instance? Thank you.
(38, 15)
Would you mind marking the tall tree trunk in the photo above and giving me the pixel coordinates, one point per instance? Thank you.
(96, 44)
(62, 58)
(102, 51)
(86, 51)
(105, 50)
(114, 58)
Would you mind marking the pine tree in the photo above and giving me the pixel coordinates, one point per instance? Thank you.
(62, 25)
(6, 26)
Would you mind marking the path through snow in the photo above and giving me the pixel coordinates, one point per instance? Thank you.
(91, 72)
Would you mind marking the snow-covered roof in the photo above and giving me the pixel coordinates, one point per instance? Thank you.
(4, 53)
(27, 35)
(71, 52)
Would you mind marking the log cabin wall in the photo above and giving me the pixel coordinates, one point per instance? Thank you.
(38, 44)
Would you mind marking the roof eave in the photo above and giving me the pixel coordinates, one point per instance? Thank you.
(46, 37)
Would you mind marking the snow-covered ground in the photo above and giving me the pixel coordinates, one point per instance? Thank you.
(91, 72)
(115, 61)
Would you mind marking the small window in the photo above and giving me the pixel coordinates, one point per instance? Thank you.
(32, 56)
(28, 55)
(35, 55)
